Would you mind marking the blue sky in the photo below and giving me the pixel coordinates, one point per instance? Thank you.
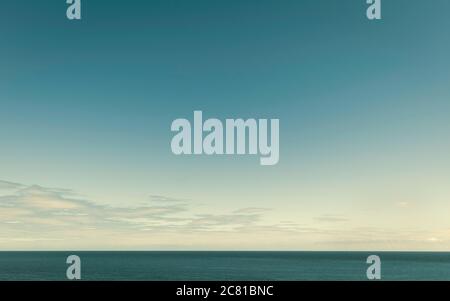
(363, 108)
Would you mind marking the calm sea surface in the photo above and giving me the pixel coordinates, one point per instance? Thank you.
(224, 265)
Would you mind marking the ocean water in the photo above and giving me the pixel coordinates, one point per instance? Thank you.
(224, 265)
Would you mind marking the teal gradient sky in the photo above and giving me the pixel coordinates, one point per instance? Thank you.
(86, 106)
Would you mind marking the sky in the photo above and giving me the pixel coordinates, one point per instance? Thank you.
(86, 109)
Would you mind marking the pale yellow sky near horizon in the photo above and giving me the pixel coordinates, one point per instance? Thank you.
(39, 218)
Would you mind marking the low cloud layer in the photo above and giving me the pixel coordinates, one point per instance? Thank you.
(37, 214)
(36, 217)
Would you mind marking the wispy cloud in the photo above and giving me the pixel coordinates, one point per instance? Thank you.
(402, 204)
(10, 185)
(37, 217)
(37, 213)
(331, 218)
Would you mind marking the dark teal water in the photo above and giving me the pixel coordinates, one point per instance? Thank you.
(224, 265)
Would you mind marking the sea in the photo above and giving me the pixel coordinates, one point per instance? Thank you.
(222, 266)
